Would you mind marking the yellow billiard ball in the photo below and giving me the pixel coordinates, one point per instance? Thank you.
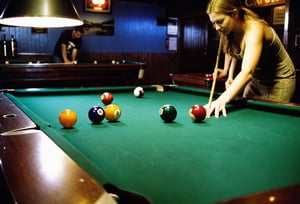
(112, 112)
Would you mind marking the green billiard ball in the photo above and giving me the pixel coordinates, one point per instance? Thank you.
(168, 113)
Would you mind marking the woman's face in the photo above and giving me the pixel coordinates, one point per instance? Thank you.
(221, 22)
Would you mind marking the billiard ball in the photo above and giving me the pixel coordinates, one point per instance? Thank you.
(138, 92)
(112, 112)
(107, 98)
(96, 114)
(197, 113)
(168, 113)
(67, 118)
(95, 62)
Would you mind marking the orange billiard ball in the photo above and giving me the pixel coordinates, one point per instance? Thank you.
(112, 112)
(107, 98)
(67, 118)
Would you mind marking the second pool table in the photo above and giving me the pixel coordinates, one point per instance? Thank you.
(256, 148)
(82, 74)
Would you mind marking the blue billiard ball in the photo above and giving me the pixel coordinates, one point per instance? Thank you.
(96, 114)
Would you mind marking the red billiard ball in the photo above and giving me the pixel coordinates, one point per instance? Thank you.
(107, 98)
(67, 118)
(168, 113)
(96, 114)
(138, 92)
(197, 113)
(112, 112)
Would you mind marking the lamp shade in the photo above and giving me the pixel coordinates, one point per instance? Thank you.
(40, 14)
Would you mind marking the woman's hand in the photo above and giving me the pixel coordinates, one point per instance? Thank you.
(221, 73)
(216, 106)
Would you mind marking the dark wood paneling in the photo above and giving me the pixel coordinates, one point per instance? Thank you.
(198, 44)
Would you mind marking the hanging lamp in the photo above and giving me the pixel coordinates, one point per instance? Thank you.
(40, 14)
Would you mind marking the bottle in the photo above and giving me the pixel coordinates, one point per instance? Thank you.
(4, 46)
(13, 46)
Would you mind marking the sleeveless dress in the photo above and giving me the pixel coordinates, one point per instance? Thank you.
(274, 78)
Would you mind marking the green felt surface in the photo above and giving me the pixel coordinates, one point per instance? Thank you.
(251, 150)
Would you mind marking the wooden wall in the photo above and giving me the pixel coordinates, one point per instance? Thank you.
(198, 44)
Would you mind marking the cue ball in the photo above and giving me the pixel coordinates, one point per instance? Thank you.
(95, 62)
(96, 114)
(107, 98)
(168, 113)
(112, 112)
(67, 118)
(138, 92)
(197, 113)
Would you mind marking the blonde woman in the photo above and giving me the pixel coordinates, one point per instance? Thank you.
(267, 71)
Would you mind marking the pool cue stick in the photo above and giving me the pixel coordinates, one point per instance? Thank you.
(215, 73)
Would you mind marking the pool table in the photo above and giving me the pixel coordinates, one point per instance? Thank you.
(82, 74)
(198, 80)
(254, 149)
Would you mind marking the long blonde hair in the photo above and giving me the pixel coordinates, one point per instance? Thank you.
(227, 7)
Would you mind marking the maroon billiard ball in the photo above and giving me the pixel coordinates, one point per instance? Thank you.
(197, 113)
(107, 98)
